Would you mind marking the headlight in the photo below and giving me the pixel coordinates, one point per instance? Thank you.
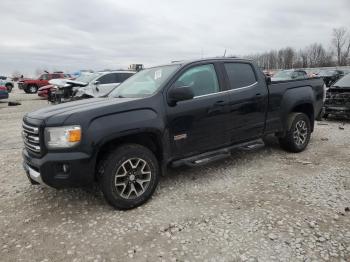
(62, 137)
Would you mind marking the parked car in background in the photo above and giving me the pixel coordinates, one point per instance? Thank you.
(100, 83)
(45, 91)
(8, 83)
(3, 92)
(32, 85)
(87, 85)
(330, 76)
(290, 74)
(185, 113)
(338, 98)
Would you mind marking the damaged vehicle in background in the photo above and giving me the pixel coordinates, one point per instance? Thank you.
(86, 86)
(330, 76)
(338, 98)
(291, 74)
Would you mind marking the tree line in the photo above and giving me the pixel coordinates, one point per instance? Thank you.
(314, 55)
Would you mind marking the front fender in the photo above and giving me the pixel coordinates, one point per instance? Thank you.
(110, 127)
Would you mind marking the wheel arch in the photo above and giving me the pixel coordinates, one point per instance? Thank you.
(307, 109)
(148, 139)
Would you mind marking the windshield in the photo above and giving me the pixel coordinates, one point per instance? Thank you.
(86, 78)
(145, 82)
(343, 82)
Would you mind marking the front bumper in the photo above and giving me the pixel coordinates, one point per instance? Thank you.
(33, 175)
(49, 170)
(337, 110)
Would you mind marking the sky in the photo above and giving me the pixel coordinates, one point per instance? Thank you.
(71, 35)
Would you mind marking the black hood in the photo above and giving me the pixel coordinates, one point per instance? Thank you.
(87, 108)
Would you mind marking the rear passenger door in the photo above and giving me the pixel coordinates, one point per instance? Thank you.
(248, 101)
(105, 84)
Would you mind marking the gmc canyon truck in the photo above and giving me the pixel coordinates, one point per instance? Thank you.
(185, 113)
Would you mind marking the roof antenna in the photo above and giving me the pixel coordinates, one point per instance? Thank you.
(225, 53)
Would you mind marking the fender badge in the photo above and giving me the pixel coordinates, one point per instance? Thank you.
(179, 137)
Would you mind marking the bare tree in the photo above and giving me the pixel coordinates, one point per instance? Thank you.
(339, 39)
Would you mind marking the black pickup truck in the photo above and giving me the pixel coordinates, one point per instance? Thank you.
(185, 113)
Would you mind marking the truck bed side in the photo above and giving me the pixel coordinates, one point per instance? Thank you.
(293, 96)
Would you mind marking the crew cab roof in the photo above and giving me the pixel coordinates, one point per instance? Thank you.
(213, 59)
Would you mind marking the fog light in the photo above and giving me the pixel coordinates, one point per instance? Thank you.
(65, 168)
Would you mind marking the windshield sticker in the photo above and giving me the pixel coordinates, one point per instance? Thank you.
(157, 74)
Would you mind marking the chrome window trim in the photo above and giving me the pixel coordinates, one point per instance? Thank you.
(226, 91)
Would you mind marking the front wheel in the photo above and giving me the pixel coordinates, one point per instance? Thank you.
(128, 176)
(298, 136)
(9, 87)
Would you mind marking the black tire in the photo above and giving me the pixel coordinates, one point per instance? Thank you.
(293, 141)
(31, 89)
(9, 87)
(115, 166)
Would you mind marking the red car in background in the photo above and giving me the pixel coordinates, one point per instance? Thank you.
(32, 85)
(45, 90)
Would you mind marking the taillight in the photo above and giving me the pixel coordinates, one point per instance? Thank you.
(3, 88)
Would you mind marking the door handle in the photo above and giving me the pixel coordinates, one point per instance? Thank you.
(219, 103)
(217, 108)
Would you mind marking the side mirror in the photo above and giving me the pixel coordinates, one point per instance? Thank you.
(268, 80)
(179, 93)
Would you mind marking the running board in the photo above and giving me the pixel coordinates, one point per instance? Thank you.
(211, 156)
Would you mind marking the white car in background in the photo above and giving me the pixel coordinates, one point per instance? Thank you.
(7, 82)
(94, 84)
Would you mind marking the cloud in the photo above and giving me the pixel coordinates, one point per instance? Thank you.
(72, 35)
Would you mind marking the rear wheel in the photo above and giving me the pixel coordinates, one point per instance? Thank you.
(298, 136)
(128, 176)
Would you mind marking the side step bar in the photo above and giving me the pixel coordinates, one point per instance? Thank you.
(211, 156)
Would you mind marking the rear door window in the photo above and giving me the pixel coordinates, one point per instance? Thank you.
(240, 75)
(107, 79)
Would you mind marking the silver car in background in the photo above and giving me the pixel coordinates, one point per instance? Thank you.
(100, 83)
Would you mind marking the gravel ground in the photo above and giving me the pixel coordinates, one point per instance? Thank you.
(262, 205)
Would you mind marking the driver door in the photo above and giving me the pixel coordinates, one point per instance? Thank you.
(198, 125)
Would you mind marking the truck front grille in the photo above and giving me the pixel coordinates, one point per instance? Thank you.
(31, 138)
(338, 99)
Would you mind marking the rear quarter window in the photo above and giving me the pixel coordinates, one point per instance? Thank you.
(240, 75)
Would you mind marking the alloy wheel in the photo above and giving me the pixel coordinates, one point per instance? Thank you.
(32, 89)
(132, 178)
(300, 133)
